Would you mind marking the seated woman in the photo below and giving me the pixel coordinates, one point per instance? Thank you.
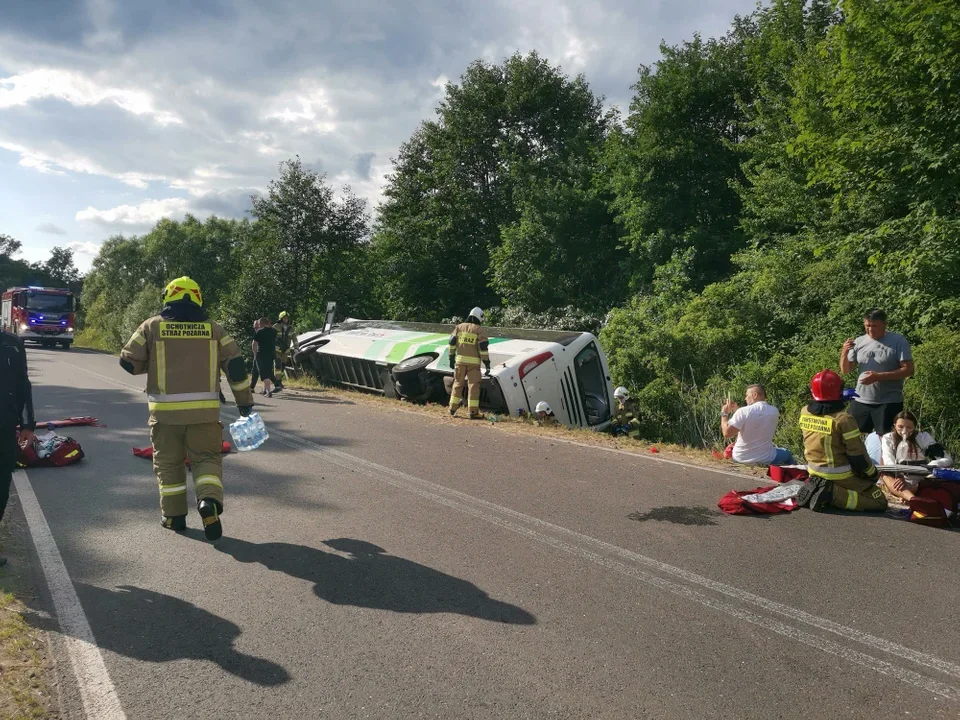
(906, 446)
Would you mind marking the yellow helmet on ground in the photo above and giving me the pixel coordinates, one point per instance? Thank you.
(183, 287)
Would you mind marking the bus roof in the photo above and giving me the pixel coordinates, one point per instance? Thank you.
(555, 336)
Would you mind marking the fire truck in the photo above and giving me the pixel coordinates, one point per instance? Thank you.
(44, 315)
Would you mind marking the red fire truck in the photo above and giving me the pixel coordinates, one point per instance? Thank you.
(41, 314)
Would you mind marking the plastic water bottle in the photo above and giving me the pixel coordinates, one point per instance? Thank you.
(240, 432)
(258, 430)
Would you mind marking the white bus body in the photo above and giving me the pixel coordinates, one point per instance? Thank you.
(567, 369)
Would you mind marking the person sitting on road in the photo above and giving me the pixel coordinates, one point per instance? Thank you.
(754, 427)
(544, 414)
(625, 421)
(842, 475)
(905, 446)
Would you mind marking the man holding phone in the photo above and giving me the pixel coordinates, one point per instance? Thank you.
(885, 361)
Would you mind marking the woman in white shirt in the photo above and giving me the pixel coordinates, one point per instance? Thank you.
(906, 446)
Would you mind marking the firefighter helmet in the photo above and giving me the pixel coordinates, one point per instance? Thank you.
(621, 393)
(284, 314)
(827, 386)
(544, 407)
(477, 313)
(183, 287)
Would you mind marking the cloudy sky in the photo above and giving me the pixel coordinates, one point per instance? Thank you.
(116, 113)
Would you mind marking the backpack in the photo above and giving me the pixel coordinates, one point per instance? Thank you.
(932, 499)
(50, 451)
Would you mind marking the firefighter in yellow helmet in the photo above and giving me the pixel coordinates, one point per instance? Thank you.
(286, 340)
(182, 353)
(842, 475)
(469, 346)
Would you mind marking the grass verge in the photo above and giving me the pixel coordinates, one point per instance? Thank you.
(506, 423)
(92, 340)
(25, 663)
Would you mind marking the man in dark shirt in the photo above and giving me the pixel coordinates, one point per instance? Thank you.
(265, 344)
(16, 395)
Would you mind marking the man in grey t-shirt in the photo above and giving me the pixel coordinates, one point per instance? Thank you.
(884, 360)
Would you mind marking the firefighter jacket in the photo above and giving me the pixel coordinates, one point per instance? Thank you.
(832, 444)
(470, 344)
(286, 336)
(624, 415)
(182, 359)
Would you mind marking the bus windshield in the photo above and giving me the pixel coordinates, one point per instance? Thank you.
(45, 302)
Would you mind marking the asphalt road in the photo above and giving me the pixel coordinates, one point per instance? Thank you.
(381, 564)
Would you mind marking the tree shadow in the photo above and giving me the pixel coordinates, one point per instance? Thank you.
(679, 515)
(371, 578)
(153, 627)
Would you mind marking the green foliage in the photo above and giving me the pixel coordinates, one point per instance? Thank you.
(499, 188)
(57, 271)
(765, 189)
(675, 163)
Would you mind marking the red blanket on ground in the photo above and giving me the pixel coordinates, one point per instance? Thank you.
(67, 422)
(761, 501)
(147, 452)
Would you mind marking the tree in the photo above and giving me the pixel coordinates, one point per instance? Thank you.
(509, 143)
(60, 269)
(675, 162)
(315, 234)
(8, 246)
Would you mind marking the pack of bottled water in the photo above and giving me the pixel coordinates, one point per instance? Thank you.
(249, 432)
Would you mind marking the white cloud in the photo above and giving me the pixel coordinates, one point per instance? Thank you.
(27, 87)
(197, 105)
(51, 229)
(308, 109)
(145, 214)
(90, 249)
(66, 159)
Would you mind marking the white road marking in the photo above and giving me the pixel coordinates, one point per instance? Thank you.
(99, 696)
(520, 523)
(523, 524)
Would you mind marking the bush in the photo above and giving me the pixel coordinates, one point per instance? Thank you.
(93, 339)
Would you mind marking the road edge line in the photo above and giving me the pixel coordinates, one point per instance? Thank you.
(97, 692)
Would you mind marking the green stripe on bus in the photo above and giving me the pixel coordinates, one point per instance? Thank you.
(378, 347)
(399, 351)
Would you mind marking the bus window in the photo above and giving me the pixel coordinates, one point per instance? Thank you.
(593, 385)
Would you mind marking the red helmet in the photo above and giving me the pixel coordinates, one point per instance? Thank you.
(827, 386)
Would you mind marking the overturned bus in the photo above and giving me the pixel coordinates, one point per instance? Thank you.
(411, 361)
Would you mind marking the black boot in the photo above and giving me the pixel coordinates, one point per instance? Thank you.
(210, 512)
(177, 523)
(817, 494)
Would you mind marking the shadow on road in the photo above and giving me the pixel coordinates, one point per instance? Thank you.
(679, 515)
(371, 578)
(153, 627)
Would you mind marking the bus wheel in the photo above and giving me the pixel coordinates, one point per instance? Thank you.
(65, 345)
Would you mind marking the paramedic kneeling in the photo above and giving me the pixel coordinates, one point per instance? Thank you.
(754, 427)
(842, 475)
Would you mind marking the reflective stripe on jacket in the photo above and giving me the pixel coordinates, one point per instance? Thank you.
(183, 361)
(470, 343)
(830, 442)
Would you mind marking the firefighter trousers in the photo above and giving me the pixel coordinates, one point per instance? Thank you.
(470, 374)
(201, 444)
(857, 493)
